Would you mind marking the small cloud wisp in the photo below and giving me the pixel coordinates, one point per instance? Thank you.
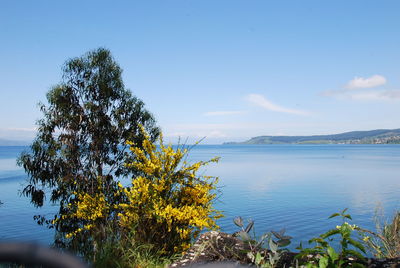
(360, 82)
(261, 101)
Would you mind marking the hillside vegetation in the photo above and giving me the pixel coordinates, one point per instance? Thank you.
(378, 136)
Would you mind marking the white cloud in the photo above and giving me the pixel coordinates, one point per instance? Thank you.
(363, 93)
(261, 101)
(360, 82)
(222, 113)
(374, 95)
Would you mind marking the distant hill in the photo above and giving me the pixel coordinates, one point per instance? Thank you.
(378, 136)
(4, 142)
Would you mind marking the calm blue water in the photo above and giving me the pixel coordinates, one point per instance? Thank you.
(295, 187)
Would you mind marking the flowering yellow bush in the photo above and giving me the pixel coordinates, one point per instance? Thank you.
(89, 209)
(167, 204)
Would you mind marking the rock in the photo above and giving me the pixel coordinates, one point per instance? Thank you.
(212, 247)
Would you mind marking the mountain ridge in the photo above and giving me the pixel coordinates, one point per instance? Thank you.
(377, 136)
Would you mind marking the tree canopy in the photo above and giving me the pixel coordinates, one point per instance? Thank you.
(81, 139)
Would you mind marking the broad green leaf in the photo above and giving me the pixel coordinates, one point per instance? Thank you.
(332, 253)
(283, 242)
(347, 216)
(334, 215)
(273, 246)
(244, 236)
(276, 234)
(258, 258)
(356, 244)
(323, 262)
(330, 233)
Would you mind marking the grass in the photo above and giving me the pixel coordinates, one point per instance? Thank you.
(385, 242)
(125, 252)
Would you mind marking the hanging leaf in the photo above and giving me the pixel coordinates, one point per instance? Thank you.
(273, 246)
(283, 242)
(244, 236)
(238, 221)
(249, 226)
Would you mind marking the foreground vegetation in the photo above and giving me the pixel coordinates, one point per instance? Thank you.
(163, 209)
(346, 245)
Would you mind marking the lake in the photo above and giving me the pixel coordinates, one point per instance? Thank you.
(295, 187)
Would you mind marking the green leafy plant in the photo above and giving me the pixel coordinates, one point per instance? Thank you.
(258, 253)
(324, 255)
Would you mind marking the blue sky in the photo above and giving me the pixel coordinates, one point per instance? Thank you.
(227, 70)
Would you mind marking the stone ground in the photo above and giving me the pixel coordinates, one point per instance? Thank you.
(217, 249)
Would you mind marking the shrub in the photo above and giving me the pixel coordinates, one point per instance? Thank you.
(166, 206)
(169, 203)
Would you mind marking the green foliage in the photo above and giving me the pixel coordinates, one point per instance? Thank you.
(258, 252)
(122, 251)
(156, 217)
(170, 202)
(385, 242)
(81, 145)
(324, 255)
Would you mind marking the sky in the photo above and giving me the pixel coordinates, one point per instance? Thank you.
(223, 70)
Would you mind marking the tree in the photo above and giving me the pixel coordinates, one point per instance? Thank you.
(81, 145)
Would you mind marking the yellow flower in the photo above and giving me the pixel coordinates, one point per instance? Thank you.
(168, 201)
(169, 196)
